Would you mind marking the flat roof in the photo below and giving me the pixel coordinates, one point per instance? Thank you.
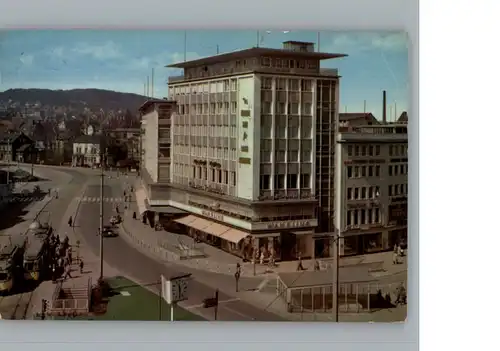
(252, 52)
(146, 105)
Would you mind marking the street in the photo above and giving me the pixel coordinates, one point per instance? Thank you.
(145, 270)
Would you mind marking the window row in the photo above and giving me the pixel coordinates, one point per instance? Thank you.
(293, 108)
(363, 216)
(281, 181)
(401, 169)
(211, 152)
(213, 131)
(283, 156)
(363, 171)
(214, 108)
(398, 150)
(210, 174)
(363, 193)
(398, 189)
(205, 88)
(363, 150)
(277, 62)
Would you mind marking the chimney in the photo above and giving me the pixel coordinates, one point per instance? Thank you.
(384, 107)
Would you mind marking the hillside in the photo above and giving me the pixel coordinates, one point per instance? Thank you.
(76, 98)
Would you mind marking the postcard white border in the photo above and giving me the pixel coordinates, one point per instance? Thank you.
(231, 14)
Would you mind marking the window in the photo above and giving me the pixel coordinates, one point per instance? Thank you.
(294, 84)
(390, 190)
(265, 156)
(349, 150)
(307, 108)
(349, 172)
(291, 181)
(356, 172)
(234, 84)
(280, 84)
(356, 150)
(293, 156)
(390, 170)
(267, 83)
(349, 216)
(280, 108)
(266, 108)
(306, 84)
(265, 62)
(371, 150)
(293, 132)
(349, 193)
(293, 109)
(356, 193)
(265, 182)
(305, 181)
(279, 181)
(377, 150)
(363, 193)
(363, 171)
(370, 171)
(377, 171)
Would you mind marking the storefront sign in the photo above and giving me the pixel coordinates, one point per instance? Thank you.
(216, 216)
(288, 224)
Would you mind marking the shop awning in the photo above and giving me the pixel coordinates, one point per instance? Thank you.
(186, 220)
(217, 229)
(234, 235)
(200, 224)
(304, 232)
(167, 209)
(141, 198)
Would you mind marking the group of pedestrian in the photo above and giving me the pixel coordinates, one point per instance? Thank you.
(62, 257)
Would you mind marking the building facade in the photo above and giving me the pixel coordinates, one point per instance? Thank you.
(86, 151)
(372, 176)
(251, 132)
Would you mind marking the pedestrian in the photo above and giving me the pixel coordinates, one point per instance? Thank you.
(300, 267)
(70, 221)
(316, 265)
(68, 273)
(395, 258)
(134, 215)
(81, 266)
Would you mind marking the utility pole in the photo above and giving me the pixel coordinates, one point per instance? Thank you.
(101, 217)
(335, 291)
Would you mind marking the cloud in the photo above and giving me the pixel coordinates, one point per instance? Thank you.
(108, 50)
(358, 42)
(159, 60)
(104, 51)
(26, 60)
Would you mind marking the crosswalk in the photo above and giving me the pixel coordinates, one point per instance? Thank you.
(91, 199)
(23, 199)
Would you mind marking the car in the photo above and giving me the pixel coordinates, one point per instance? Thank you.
(109, 232)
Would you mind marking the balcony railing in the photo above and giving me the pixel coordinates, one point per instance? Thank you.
(284, 194)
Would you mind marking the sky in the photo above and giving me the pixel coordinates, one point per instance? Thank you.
(121, 60)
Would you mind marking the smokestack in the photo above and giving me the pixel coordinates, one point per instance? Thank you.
(384, 107)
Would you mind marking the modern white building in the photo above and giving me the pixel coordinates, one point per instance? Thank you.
(372, 176)
(252, 150)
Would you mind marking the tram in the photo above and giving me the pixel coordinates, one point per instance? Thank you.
(36, 258)
(11, 255)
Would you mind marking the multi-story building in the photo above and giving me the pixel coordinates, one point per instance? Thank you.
(87, 151)
(252, 145)
(129, 137)
(372, 177)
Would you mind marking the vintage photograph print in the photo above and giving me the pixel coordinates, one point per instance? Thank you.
(256, 175)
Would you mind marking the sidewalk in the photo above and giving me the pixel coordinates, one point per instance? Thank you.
(169, 246)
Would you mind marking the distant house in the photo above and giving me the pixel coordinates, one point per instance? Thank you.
(355, 119)
(403, 119)
(15, 147)
(86, 151)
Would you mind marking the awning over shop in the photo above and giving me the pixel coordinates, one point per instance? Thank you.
(186, 220)
(217, 229)
(141, 198)
(166, 209)
(200, 224)
(304, 232)
(234, 235)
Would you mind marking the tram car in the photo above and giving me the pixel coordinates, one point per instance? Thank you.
(36, 260)
(11, 255)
